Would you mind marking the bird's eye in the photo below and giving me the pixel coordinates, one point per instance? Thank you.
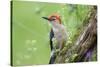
(53, 19)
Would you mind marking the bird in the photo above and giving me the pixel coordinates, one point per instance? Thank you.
(58, 33)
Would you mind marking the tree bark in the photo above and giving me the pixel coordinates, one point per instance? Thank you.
(88, 39)
(85, 43)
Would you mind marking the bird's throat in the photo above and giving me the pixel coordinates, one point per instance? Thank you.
(55, 25)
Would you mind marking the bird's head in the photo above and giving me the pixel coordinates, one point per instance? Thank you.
(55, 18)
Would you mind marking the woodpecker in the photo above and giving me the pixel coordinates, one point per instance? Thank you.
(58, 33)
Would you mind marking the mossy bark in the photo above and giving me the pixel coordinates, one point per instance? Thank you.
(85, 44)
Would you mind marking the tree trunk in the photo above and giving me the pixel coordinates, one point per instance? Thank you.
(85, 44)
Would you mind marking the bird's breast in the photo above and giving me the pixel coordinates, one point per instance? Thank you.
(60, 34)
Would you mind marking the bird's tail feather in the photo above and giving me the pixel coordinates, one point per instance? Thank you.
(53, 57)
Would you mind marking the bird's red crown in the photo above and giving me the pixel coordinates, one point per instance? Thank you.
(56, 16)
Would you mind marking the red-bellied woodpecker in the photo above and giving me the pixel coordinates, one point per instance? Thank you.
(58, 33)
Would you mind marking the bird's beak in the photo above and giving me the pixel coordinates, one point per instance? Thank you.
(46, 18)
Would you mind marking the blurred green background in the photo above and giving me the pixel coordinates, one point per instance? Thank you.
(31, 33)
